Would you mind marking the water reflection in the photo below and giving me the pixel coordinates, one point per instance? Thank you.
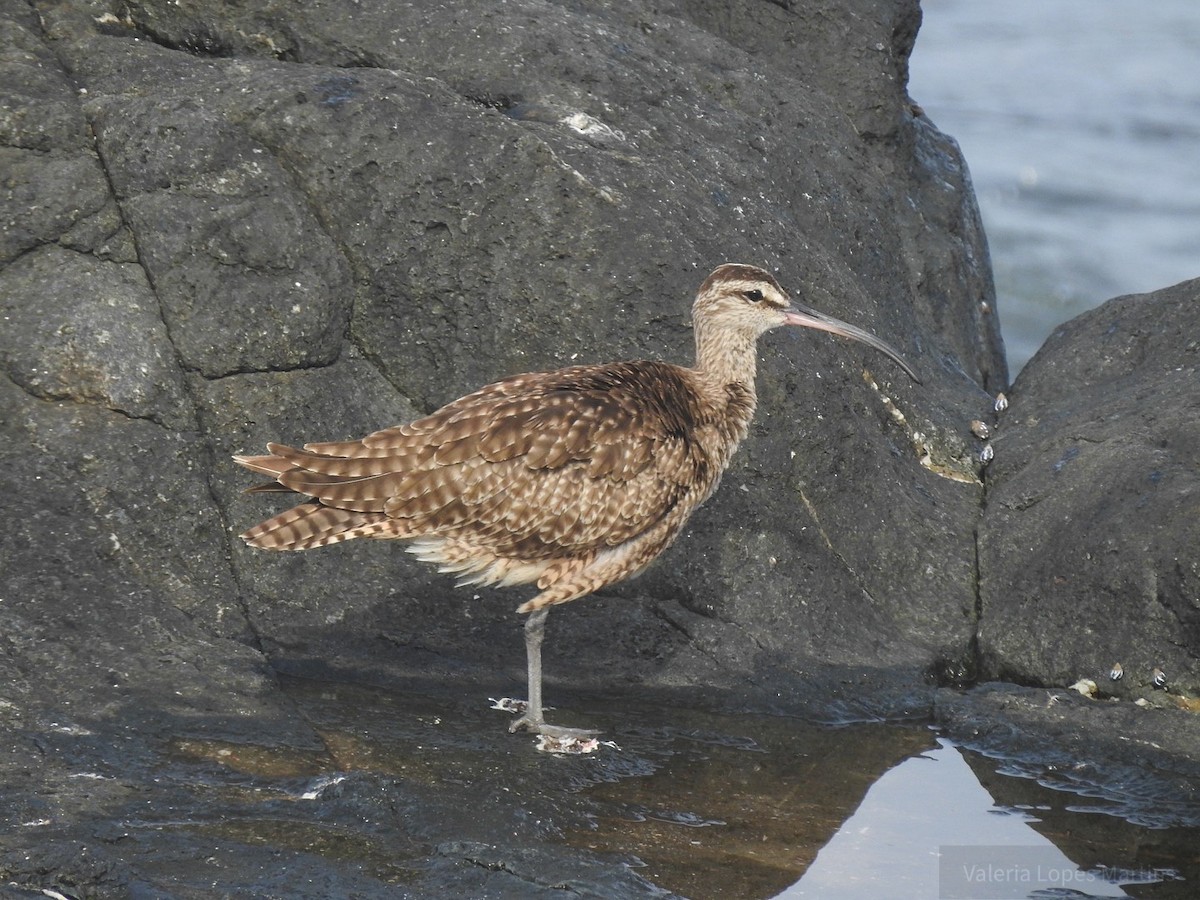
(928, 828)
(768, 803)
(873, 811)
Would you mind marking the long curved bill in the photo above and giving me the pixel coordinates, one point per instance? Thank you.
(806, 317)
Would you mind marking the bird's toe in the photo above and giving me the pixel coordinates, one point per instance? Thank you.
(528, 724)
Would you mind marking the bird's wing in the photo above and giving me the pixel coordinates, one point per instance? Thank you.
(582, 458)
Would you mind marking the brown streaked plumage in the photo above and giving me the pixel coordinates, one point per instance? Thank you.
(570, 480)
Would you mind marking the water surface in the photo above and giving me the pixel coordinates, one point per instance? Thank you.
(702, 804)
(1080, 122)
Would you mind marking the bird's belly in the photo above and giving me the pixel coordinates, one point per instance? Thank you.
(476, 564)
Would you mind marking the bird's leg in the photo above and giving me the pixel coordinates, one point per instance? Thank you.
(534, 720)
(535, 630)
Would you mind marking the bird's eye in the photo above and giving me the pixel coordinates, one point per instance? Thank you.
(754, 296)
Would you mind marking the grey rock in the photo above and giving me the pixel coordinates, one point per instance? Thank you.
(246, 275)
(1088, 547)
(102, 341)
(224, 225)
(51, 197)
(458, 208)
(1089, 747)
(99, 495)
(53, 186)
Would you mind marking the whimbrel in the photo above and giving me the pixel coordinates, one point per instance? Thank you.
(571, 480)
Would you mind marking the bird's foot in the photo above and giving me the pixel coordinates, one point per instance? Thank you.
(535, 723)
(551, 738)
(557, 739)
(528, 723)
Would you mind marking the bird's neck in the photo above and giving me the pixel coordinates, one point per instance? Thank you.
(725, 368)
(724, 357)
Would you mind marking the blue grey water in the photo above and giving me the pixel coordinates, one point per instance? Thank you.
(1080, 122)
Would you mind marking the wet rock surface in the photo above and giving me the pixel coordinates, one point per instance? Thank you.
(1139, 765)
(223, 226)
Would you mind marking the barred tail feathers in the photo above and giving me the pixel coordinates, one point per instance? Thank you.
(264, 465)
(314, 525)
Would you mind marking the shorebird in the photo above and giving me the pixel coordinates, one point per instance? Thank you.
(570, 480)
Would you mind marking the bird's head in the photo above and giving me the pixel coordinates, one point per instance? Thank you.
(748, 301)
